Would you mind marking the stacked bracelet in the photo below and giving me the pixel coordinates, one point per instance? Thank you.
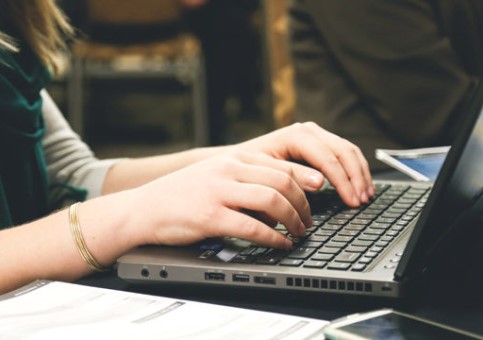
(79, 240)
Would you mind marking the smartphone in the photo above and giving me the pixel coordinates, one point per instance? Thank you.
(420, 164)
(389, 324)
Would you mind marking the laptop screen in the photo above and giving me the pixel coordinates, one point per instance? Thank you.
(456, 189)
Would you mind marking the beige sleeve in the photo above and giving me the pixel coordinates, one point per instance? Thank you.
(69, 160)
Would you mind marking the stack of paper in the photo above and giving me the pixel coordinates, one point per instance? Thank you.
(57, 310)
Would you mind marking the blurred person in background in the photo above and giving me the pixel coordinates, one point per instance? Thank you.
(386, 74)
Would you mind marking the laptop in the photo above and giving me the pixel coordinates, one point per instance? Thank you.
(377, 249)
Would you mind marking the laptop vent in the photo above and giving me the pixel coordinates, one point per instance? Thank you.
(340, 285)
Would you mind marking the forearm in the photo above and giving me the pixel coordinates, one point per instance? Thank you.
(131, 173)
(45, 249)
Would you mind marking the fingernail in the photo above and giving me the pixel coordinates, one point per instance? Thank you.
(288, 243)
(371, 190)
(315, 180)
(356, 200)
(302, 229)
(364, 197)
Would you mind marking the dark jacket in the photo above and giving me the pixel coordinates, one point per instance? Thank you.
(386, 73)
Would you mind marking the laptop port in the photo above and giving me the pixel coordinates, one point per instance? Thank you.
(241, 278)
(265, 280)
(210, 276)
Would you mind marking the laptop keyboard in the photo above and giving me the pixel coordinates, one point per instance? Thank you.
(344, 238)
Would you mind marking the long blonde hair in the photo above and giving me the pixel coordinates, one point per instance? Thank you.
(44, 27)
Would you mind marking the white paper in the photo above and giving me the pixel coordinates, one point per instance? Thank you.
(55, 310)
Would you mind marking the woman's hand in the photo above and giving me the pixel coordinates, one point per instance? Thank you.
(238, 194)
(339, 160)
(245, 191)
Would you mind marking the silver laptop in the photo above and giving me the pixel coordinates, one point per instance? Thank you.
(376, 250)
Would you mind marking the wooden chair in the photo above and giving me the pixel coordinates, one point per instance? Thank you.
(177, 56)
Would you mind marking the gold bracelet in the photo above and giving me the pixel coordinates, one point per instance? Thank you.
(79, 240)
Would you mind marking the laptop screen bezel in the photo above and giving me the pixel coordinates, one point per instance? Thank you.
(416, 255)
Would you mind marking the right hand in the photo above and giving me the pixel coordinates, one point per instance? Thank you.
(218, 196)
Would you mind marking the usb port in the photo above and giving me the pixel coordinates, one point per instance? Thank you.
(241, 278)
(215, 276)
(265, 280)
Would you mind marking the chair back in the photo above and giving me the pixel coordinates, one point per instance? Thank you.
(133, 11)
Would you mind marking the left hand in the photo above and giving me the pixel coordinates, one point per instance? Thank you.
(340, 161)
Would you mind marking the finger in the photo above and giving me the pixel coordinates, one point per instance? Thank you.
(281, 182)
(236, 224)
(269, 201)
(308, 178)
(316, 152)
(262, 217)
(350, 157)
(370, 189)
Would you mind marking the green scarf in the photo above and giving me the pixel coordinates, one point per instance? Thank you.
(23, 174)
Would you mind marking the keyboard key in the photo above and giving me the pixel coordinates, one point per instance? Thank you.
(259, 251)
(372, 231)
(376, 225)
(291, 262)
(324, 232)
(397, 227)
(382, 244)
(365, 260)
(268, 260)
(361, 243)
(337, 221)
(360, 221)
(356, 227)
(312, 244)
(247, 251)
(385, 220)
(371, 254)
(338, 266)
(367, 216)
(392, 215)
(350, 233)
(355, 249)
(322, 257)
(333, 244)
(402, 223)
(318, 238)
(333, 227)
(358, 267)
(301, 253)
(243, 259)
(367, 237)
(347, 257)
(346, 215)
(317, 223)
(343, 239)
(328, 250)
(315, 264)
(387, 238)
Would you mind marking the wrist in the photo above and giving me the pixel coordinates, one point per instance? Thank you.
(108, 227)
